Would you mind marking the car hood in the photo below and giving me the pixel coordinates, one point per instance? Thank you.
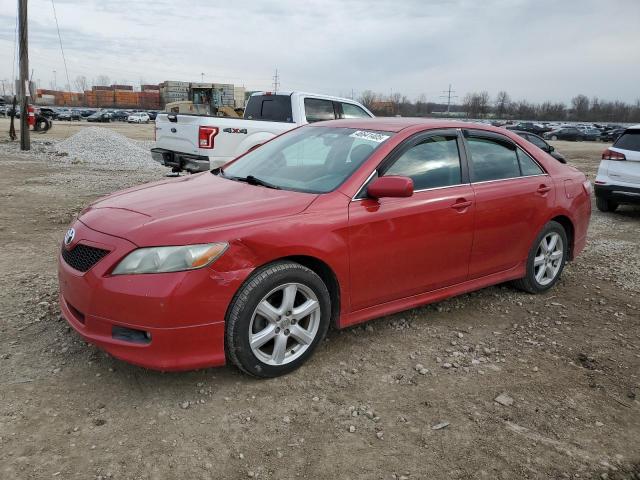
(188, 210)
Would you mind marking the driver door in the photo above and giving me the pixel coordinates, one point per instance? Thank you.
(400, 247)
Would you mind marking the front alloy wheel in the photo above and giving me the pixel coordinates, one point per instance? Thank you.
(284, 324)
(277, 319)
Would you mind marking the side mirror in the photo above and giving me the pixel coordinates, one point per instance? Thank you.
(551, 148)
(391, 187)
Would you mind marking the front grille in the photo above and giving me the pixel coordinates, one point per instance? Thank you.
(83, 257)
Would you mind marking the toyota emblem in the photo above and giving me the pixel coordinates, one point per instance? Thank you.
(68, 237)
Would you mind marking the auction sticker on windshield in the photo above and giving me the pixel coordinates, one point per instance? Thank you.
(371, 136)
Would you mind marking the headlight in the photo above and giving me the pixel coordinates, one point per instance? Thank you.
(170, 259)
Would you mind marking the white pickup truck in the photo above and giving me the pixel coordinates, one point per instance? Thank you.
(196, 143)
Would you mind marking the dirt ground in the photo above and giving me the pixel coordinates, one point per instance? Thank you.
(409, 396)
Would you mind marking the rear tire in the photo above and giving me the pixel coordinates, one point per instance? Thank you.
(554, 137)
(546, 259)
(277, 319)
(605, 205)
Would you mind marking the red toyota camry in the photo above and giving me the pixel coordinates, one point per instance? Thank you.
(329, 224)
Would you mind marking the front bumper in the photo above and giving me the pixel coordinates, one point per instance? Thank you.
(181, 314)
(618, 193)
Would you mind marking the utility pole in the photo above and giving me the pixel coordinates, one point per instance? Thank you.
(55, 82)
(276, 81)
(3, 91)
(25, 141)
(448, 95)
(202, 77)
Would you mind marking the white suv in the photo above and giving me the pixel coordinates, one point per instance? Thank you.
(138, 118)
(618, 179)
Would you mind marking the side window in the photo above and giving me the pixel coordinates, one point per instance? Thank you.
(492, 159)
(538, 142)
(317, 110)
(435, 162)
(353, 111)
(527, 165)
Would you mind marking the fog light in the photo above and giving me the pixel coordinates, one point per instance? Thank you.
(130, 335)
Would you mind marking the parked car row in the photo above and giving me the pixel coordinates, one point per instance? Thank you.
(563, 131)
(94, 115)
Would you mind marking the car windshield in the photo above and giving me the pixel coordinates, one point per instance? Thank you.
(309, 159)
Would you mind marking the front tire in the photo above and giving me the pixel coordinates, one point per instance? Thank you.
(546, 259)
(605, 205)
(554, 137)
(277, 319)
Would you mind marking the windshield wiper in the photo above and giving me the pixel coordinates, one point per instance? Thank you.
(251, 180)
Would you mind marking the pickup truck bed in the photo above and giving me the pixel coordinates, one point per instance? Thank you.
(196, 143)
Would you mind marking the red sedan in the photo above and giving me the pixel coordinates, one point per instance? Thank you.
(329, 224)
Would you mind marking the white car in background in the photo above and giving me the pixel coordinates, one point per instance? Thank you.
(140, 117)
(618, 179)
(197, 143)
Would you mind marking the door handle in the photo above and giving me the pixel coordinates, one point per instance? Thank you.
(543, 189)
(461, 204)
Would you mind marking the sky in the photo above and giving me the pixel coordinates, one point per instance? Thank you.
(534, 49)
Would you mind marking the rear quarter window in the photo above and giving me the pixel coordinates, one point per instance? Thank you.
(629, 140)
(269, 108)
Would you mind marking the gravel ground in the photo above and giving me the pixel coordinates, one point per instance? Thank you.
(494, 384)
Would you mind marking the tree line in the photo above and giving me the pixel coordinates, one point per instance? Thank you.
(478, 105)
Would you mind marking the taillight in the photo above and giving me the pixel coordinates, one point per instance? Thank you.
(609, 154)
(205, 136)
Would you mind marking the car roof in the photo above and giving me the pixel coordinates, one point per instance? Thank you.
(396, 124)
(634, 127)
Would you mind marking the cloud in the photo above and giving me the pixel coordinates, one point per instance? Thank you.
(536, 50)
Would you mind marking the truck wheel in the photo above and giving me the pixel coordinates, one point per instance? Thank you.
(605, 205)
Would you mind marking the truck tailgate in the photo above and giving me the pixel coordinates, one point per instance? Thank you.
(178, 136)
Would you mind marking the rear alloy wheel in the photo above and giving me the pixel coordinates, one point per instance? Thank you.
(546, 259)
(277, 319)
(605, 205)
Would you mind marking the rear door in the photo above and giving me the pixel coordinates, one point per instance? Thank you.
(513, 195)
(626, 171)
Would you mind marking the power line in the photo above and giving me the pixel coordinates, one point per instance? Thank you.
(64, 60)
(15, 50)
(448, 96)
